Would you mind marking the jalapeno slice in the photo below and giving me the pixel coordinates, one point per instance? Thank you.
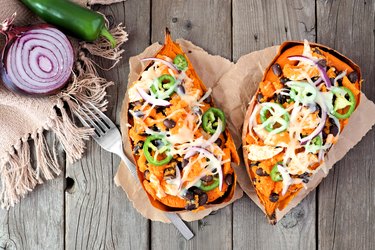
(344, 98)
(210, 120)
(210, 187)
(274, 117)
(164, 86)
(180, 62)
(275, 174)
(314, 145)
(302, 92)
(162, 147)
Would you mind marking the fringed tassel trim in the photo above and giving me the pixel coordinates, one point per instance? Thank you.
(18, 176)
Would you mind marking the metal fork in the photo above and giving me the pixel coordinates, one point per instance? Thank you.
(109, 138)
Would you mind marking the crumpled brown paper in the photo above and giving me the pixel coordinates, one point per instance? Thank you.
(233, 87)
(210, 69)
(246, 75)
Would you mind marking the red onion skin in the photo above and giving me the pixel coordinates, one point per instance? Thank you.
(11, 34)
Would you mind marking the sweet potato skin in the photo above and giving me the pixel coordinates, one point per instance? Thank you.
(288, 49)
(171, 203)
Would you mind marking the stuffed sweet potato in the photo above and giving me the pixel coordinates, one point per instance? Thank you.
(180, 143)
(303, 103)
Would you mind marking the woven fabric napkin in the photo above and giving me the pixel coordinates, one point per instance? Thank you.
(23, 120)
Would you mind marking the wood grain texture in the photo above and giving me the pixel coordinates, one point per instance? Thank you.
(207, 24)
(37, 222)
(347, 197)
(98, 214)
(258, 24)
(94, 214)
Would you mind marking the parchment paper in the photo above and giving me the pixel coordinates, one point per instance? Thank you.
(246, 75)
(210, 69)
(233, 87)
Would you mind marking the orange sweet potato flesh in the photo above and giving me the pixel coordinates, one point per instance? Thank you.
(169, 202)
(264, 185)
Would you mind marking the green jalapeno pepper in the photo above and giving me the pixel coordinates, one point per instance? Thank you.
(341, 102)
(210, 120)
(302, 92)
(79, 21)
(274, 117)
(213, 185)
(180, 62)
(275, 174)
(148, 144)
(164, 86)
(314, 145)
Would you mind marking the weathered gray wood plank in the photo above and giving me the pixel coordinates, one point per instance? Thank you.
(346, 211)
(258, 24)
(207, 24)
(37, 222)
(98, 214)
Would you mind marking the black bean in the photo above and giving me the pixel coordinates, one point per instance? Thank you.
(146, 174)
(169, 123)
(203, 198)
(219, 142)
(161, 109)
(207, 178)
(274, 197)
(180, 89)
(259, 97)
(334, 130)
(323, 63)
(155, 128)
(197, 110)
(281, 98)
(196, 190)
(189, 195)
(138, 114)
(137, 147)
(353, 77)
(284, 80)
(277, 69)
(170, 173)
(261, 172)
(229, 179)
(208, 99)
(190, 206)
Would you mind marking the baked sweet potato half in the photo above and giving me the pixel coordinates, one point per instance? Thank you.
(180, 143)
(303, 103)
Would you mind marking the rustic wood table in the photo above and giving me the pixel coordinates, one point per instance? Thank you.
(83, 209)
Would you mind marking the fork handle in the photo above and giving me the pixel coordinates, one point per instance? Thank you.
(173, 217)
(128, 164)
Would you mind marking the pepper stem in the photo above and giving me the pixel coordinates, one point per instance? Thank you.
(105, 33)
